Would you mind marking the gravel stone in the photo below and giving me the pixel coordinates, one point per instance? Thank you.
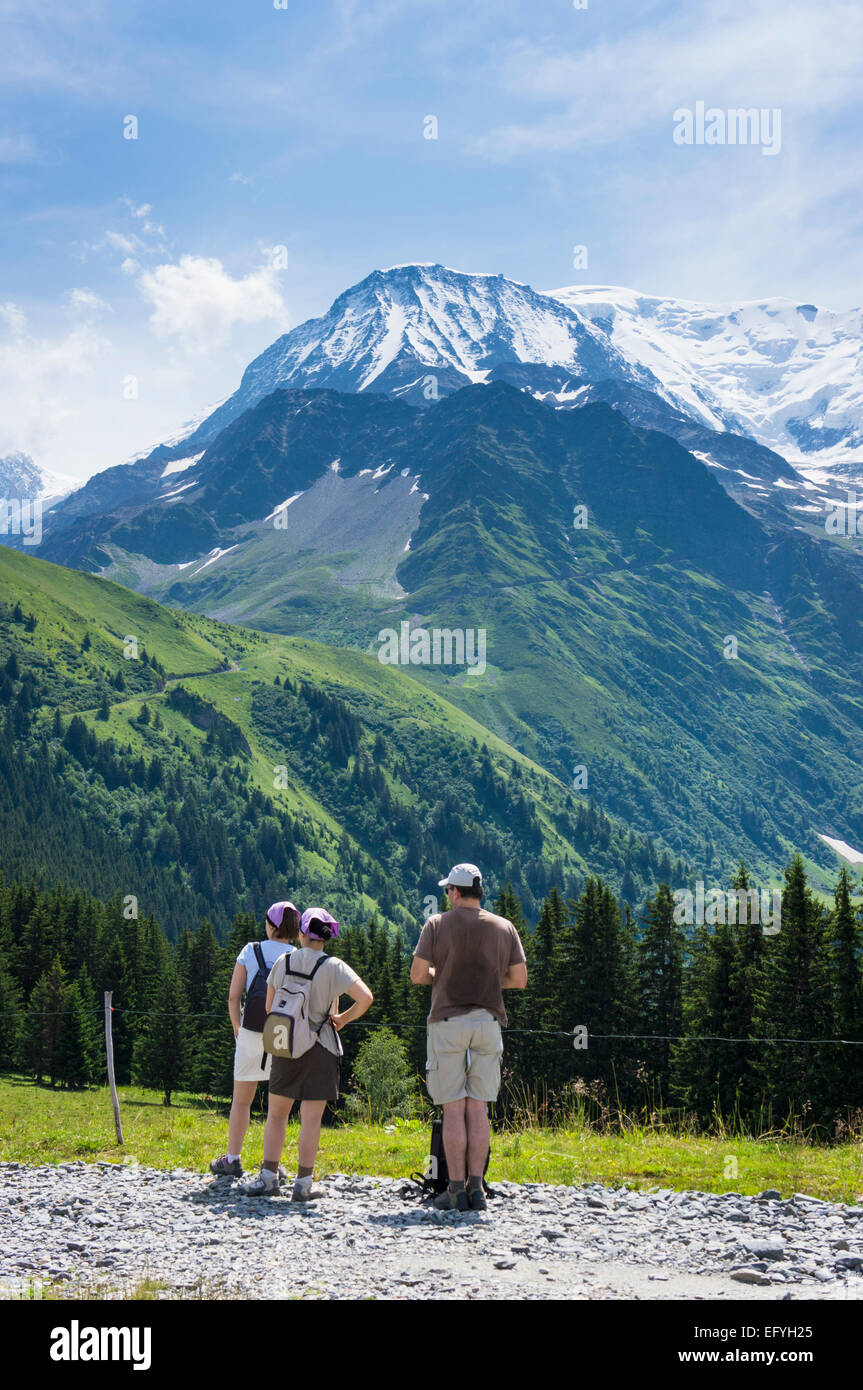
(101, 1228)
(750, 1276)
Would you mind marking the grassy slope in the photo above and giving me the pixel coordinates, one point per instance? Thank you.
(69, 604)
(42, 1126)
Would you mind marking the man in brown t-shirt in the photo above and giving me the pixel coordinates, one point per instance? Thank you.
(469, 957)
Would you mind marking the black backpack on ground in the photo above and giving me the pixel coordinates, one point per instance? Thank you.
(435, 1179)
(255, 1008)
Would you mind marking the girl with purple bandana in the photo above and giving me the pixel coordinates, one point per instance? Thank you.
(313, 1079)
(251, 1065)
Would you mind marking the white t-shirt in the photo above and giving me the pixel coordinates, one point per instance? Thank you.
(333, 979)
(271, 950)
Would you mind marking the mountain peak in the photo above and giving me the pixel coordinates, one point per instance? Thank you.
(422, 330)
(783, 373)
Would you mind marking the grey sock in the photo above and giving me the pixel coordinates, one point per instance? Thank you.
(474, 1184)
(456, 1186)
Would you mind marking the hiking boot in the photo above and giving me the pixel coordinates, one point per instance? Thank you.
(224, 1168)
(306, 1192)
(266, 1184)
(452, 1201)
(476, 1199)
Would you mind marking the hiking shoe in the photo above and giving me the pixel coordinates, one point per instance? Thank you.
(476, 1199)
(266, 1184)
(224, 1168)
(452, 1201)
(306, 1192)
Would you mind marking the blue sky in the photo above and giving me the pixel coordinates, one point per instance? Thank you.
(302, 128)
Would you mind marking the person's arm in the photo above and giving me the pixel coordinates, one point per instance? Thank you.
(422, 971)
(278, 971)
(515, 977)
(363, 998)
(236, 990)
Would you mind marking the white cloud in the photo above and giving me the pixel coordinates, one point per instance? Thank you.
(14, 317)
(198, 302)
(118, 242)
(41, 379)
(85, 301)
(632, 82)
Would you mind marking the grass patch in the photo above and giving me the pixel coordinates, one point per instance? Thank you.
(38, 1125)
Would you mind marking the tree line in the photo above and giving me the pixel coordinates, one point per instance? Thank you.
(724, 1023)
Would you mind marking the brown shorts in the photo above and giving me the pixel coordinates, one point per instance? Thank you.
(314, 1076)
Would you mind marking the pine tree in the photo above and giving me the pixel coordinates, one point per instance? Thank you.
(747, 989)
(75, 1052)
(38, 943)
(706, 1071)
(796, 1003)
(163, 1044)
(201, 961)
(45, 1011)
(530, 1056)
(12, 1019)
(596, 980)
(211, 1066)
(847, 962)
(114, 973)
(660, 954)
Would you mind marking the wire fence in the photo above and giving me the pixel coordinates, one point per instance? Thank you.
(569, 1034)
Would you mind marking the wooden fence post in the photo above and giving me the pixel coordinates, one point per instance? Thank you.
(109, 1050)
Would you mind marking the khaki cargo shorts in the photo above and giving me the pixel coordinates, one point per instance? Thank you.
(463, 1058)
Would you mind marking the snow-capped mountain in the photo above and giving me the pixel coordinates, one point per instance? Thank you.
(788, 375)
(398, 327)
(21, 478)
(742, 388)
(785, 375)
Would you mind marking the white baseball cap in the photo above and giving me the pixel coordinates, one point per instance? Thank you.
(461, 876)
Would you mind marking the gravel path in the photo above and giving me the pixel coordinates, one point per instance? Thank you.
(105, 1226)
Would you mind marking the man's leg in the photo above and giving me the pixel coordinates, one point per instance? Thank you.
(455, 1142)
(483, 1083)
(478, 1136)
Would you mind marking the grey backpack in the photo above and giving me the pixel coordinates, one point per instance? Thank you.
(288, 1031)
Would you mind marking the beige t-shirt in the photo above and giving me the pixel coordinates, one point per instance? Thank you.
(471, 951)
(333, 978)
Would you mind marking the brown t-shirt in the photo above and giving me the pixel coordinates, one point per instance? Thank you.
(471, 951)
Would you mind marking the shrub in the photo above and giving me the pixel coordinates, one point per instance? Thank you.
(384, 1084)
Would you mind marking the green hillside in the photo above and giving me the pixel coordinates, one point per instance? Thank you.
(221, 768)
(607, 643)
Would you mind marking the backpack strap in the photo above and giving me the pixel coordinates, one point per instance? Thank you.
(304, 974)
(259, 957)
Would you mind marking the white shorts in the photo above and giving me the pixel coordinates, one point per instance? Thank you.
(247, 1057)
